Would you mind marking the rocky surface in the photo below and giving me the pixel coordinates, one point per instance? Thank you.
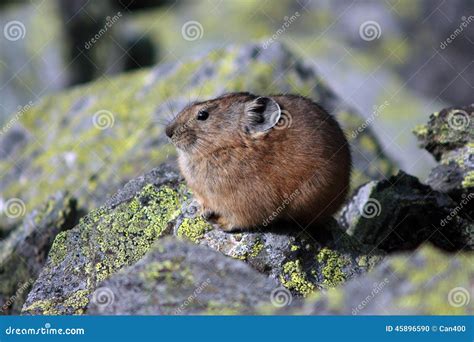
(120, 233)
(177, 278)
(449, 137)
(400, 213)
(24, 252)
(427, 282)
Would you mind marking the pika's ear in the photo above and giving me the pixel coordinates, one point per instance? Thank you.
(261, 114)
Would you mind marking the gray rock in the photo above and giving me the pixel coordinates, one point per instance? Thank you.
(121, 232)
(24, 252)
(449, 137)
(177, 277)
(426, 282)
(400, 213)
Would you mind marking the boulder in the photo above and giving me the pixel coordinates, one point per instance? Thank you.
(449, 137)
(177, 278)
(400, 213)
(425, 282)
(24, 252)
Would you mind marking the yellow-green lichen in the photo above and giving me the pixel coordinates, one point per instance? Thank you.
(193, 229)
(433, 281)
(332, 266)
(468, 181)
(169, 271)
(59, 247)
(294, 278)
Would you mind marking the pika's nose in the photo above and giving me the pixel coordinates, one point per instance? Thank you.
(169, 131)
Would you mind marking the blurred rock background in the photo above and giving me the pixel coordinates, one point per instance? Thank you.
(401, 70)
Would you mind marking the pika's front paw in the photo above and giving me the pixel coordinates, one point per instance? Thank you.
(209, 215)
(226, 226)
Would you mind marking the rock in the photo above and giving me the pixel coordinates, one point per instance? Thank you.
(400, 213)
(114, 236)
(426, 282)
(301, 261)
(24, 252)
(449, 137)
(177, 278)
(121, 232)
(103, 134)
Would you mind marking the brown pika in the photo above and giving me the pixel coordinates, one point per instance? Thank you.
(251, 160)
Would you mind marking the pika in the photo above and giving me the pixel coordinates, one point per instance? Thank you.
(251, 160)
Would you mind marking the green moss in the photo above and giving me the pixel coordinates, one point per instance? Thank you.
(332, 264)
(294, 278)
(193, 228)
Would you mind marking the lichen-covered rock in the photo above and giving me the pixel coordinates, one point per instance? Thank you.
(119, 234)
(177, 278)
(400, 213)
(300, 261)
(426, 282)
(24, 252)
(98, 136)
(116, 235)
(449, 137)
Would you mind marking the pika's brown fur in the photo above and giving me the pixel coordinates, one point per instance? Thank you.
(250, 160)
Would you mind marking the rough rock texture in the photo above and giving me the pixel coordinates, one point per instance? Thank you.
(449, 137)
(400, 213)
(177, 278)
(119, 234)
(24, 252)
(109, 238)
(92, 139)
(426, 282)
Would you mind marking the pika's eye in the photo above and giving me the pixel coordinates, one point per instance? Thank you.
(202, 115)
